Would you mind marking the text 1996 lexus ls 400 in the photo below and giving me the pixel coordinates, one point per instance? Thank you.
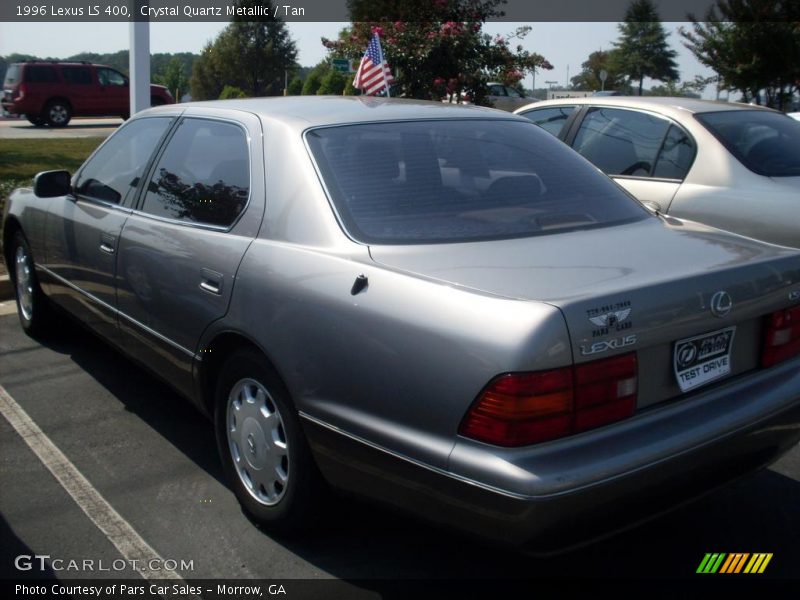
(441, 307)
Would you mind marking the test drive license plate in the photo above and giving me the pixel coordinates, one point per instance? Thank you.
(703, 358)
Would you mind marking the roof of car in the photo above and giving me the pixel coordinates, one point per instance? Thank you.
(671, 106)
(311, 111)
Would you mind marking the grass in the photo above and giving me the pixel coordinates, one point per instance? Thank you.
(21, 159)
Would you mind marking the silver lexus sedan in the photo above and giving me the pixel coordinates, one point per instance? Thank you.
(440, 307)
(733, 166)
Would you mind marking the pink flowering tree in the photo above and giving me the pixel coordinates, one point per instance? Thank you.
(437, 48)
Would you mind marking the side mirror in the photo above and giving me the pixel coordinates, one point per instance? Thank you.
(50, 184)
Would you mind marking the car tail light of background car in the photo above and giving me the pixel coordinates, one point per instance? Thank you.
(21, 89)
(519, 409)
(781, 336)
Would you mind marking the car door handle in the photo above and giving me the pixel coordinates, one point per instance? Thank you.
(211, 281)
(108, 243)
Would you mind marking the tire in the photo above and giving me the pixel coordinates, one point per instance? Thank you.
(36, 120)
(262, 447)
(33, 308)
(57, 113)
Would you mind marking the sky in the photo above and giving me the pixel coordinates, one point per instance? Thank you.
(565, 45)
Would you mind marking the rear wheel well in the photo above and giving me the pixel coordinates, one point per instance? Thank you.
(57, 99)
(214, 356)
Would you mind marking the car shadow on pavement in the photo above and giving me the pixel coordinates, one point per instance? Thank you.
(375, 546)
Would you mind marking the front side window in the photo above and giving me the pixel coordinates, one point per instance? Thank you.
(497, 90)
(461, 180)
(110, 77)
(766, 142)
(203, 176)
(551, 119)
(113, 173)
(77, 75)
(621, 142)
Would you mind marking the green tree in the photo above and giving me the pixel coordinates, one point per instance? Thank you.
(437, 49)
(252, 53)
(295, 86)
(589, 77)
(230, 91)
(687, 89)
(174, 78)
(333, 82)
(752, 45)
(643, 50)
(314, 79)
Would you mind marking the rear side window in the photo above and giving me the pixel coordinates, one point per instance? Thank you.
(40, 74)
(676, 156)
(621, 142)
(456, 181)
(114, 171)
(766, 142)
(12, 75)
(77, 75)
(203, 175)
(552, 119)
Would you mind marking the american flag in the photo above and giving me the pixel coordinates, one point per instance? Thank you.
(373, 73)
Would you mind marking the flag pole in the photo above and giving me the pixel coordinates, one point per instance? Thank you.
(383, 67)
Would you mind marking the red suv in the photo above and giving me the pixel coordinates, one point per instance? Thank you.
(51, 92)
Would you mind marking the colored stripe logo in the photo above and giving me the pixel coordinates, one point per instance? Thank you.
(737, 562)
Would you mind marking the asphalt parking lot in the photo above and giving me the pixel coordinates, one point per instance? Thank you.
(78, 127)
(152, 458)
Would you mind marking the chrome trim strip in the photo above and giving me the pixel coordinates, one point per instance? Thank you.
(119, 313)
(415, 462)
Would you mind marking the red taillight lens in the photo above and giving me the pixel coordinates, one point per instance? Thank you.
(21, 89)
(519, 409)
(605, 391)
(522, 408)
(781, 336)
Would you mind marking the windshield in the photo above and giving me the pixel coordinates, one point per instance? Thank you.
(766, 142)
(461, 180)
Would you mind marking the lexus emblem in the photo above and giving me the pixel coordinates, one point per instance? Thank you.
(721, 304)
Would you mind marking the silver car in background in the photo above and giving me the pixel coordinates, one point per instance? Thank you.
(439, 307)
(733, 166)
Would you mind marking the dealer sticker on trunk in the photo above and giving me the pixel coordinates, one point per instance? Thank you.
(703, 358)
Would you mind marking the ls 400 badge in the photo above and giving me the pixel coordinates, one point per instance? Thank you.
(615, 344)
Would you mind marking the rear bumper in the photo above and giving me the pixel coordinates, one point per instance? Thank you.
(562, 494)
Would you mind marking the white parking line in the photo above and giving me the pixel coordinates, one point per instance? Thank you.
(8, 308)
(118, 531)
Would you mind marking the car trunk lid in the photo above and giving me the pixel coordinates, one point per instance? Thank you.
(640, 287)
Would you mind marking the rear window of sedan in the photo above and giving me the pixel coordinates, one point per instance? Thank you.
(766, 142)
(461, 180)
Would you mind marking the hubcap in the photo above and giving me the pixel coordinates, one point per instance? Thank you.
(257, 441)
(58, 114)
(24, 283)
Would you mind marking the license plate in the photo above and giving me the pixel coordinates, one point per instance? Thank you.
(704, 358)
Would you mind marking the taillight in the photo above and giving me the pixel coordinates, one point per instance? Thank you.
(519, 409)
(781, 336)
(21, 89)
